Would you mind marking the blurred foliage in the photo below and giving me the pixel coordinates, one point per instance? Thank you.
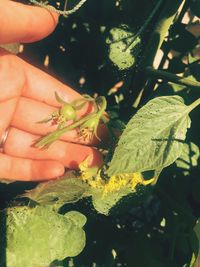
(156, 227)
(29, 230)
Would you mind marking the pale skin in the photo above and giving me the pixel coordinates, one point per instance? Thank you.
(27, 95)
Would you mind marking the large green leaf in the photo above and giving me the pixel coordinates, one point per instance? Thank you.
(67, 189)
(38, 236)
(153, 138)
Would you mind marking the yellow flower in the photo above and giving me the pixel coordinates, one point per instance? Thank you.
(86, 171)
(129, 180)
(114, 183)
(91, 175)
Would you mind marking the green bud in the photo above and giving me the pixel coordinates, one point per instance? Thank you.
(67, 112)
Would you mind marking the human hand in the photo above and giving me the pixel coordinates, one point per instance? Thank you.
(28, 95)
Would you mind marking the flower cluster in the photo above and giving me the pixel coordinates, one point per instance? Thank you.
(66, 119)
(115, 183)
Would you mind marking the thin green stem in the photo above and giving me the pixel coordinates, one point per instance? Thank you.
(65, 5)
(146, 23)
(174, 238)
(61, 12)
(164, 75)
(50, 138)
(103, 106)
(194, 104)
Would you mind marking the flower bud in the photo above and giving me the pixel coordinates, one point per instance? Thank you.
(67, 112)
(89, 128)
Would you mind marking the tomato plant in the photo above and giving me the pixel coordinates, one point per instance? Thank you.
(142, 61)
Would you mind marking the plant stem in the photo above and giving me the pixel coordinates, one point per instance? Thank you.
(61, 12)
(174, 238)
(146, 23)
(52, 137)
(103, 106)
(194, 104)
(160, 31)
(164, 75)
(65, 5)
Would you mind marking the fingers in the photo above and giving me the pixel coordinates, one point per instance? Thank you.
(11, 84)
(23, 23)
(13, 168)
(12, 78)
(29, 112)
(7, 110)
(20, 78)
(41, 87)
(70, 155)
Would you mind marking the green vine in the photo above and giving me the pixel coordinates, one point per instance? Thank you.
(65, 13)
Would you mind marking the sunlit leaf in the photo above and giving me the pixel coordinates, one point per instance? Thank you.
(153, 138)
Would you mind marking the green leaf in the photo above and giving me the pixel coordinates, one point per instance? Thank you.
(38, 236)
(177, 87)
(79, 220)
(193, 259)
(104, 203)
(153, 138)
(67, 189)
(189, 157)
(123, 47)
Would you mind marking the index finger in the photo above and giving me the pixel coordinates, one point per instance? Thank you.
(23, 23)
(41, 87)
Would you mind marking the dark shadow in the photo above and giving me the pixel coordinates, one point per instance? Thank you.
(168, 139)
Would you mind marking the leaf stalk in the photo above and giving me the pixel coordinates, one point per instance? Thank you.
(164, 75)
(194, 104)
